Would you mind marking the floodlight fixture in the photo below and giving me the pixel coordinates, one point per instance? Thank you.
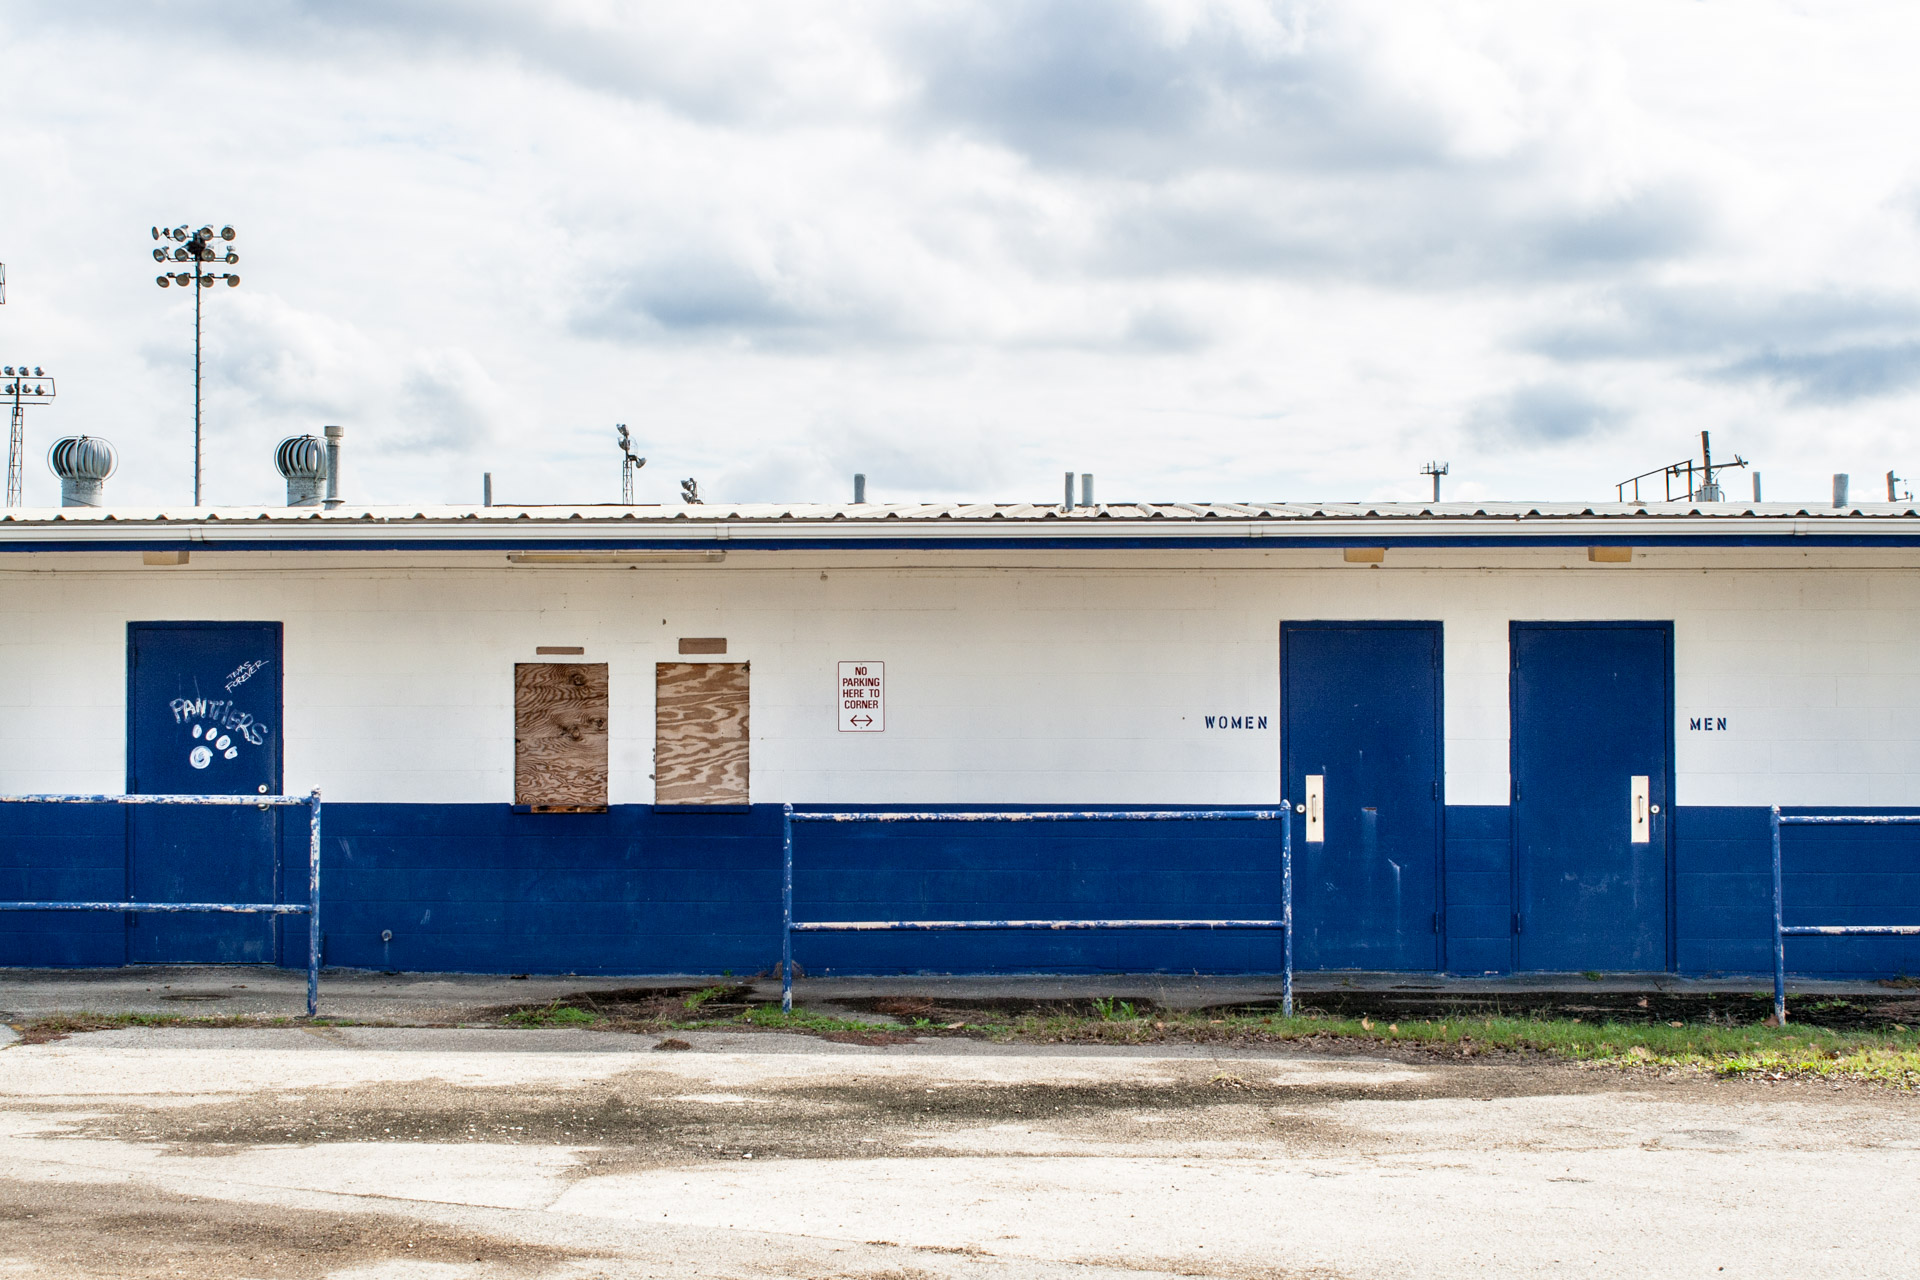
(629, 463)
(196, 247)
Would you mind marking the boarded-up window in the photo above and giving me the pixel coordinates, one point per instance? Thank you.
(700, 733)
(560, 736)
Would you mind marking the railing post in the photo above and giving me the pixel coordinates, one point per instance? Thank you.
(313, 904)
(1779, 938)
(1286, 908)
(786, 908)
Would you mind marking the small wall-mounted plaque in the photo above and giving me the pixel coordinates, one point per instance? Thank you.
(575, 649)
(703, 644)
(163, 557)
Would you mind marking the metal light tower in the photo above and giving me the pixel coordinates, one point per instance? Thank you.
(1436, 470)
(23, 389)
(200, 248)
(628, 464)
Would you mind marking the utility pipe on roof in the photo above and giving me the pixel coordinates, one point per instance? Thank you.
(334, 435)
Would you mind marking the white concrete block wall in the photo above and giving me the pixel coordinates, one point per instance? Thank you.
(1037, 685)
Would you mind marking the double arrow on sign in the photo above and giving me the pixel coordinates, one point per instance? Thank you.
(860, 720)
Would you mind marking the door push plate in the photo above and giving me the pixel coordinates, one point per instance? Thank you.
(1642, 811)
(1316, 808)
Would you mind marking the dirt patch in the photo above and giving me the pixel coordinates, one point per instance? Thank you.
(872, 1038)
(941, 1011)
(127, 1230)
(645, 1119)
(47, 1030)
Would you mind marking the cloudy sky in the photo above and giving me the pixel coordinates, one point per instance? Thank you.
(1208, 251)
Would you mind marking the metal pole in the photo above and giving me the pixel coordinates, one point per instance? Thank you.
(786, 909)
(313, 906)
(16, 444)
(1286, 908)
(1779, 939)
(197, 287)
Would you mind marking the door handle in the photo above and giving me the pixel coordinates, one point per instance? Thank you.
(1640, 809)
(1316, 789)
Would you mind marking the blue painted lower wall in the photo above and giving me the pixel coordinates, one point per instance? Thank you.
(1479, 889)
(479, 888)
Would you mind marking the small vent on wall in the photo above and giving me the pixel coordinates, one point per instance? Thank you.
(703, 644)
(574, 649)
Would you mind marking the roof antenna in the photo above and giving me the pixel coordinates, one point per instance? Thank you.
(628, 464)
(1436, 470)
(1696, 481)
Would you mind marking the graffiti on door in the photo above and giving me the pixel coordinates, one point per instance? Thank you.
(220, 729)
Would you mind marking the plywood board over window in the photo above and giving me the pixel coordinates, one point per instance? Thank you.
(700, 733)
(560, 736)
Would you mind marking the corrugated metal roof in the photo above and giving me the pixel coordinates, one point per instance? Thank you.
(958, 526)
(714, 513)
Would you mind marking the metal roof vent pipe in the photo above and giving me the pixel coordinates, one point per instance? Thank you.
(303, 462)
(83, 464)
(859, 487)
(1840, 489)
(334, 436)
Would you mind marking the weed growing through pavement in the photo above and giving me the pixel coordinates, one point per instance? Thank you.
(552, 1014)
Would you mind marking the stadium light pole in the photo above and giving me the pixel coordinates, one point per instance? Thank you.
(200, 249)
(22, 389)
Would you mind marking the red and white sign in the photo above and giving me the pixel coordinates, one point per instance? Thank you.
(863, 697)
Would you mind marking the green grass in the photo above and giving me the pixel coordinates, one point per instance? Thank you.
(553, 1015)
(1889, 1056)
(768, 1017)
(1886, 1057)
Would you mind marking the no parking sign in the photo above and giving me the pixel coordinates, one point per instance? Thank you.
(863, 697)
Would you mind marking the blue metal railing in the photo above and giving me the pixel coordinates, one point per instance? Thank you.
(1782, 931)
(310, 908)
(789, 926)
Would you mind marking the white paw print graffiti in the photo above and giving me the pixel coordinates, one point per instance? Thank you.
(212, 740)
(229, 729)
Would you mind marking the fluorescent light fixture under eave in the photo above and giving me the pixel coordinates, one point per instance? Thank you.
(615, 557)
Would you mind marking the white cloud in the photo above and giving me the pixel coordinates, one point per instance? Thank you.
(1217, 248)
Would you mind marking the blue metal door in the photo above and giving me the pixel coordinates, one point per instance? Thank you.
(203, 718)
(1592, 718)
(1360, 712)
